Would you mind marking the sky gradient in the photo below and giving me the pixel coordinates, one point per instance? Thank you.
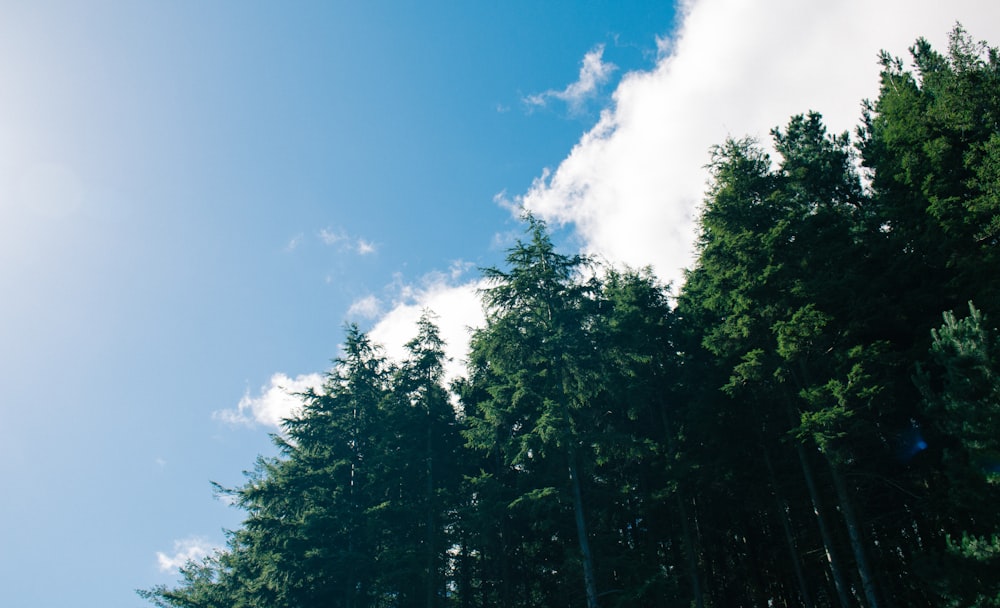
(197, 196)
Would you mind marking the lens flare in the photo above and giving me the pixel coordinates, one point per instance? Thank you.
(910, 442)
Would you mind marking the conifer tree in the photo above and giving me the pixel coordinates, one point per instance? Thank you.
(961, 388)
(421, 446)
(538, 358)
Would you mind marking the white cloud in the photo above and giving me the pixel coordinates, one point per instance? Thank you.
(456, 305)
(186, 550)
(332, 237)
(458, 268)
(294, 242)
(345, 242)
(594, 72)
(454, 302)
(368, 307)
(275, 402)
(633, 184)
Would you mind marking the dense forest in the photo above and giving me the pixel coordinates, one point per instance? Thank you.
(812, 419)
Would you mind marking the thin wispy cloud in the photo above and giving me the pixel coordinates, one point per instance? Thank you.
(594, 72)
(294, 242)
(276, 401)
(345, 242)
(368, 307)
(459, 268)
(332, 237)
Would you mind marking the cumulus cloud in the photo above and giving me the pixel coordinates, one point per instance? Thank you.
(186, 550)
(455, 304)
(632, 185)
(594, 72)
(276, 401)
(365, 247)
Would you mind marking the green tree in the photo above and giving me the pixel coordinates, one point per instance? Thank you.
(961, 399)
(644, 517)
(419, 447)
(537, 356)
(776, 259)
(312, 534)
(929, 144)
(932, 143)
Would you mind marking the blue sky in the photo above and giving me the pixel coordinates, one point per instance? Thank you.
(196, 196)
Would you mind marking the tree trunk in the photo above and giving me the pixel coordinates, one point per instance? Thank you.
(431, 569)
(589, 582)
(824, 532)
(464, 574)
(689, 544)
(692, 557)
(854, 533)
(789, 537)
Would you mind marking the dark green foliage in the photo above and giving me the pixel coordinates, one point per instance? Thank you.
(355, 511)
(542, 372)
(796, 428)
(961, 390)
(931, 141)
(965, 405)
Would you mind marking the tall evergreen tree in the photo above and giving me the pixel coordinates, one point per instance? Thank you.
(309, 538)
(775, 261)
(641, 469)
(420, 444)
(932, 143)
(961, 388)
(538, 355)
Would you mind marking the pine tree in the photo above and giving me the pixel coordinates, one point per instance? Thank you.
(537, 357)
(420, 446)
(961, 388)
